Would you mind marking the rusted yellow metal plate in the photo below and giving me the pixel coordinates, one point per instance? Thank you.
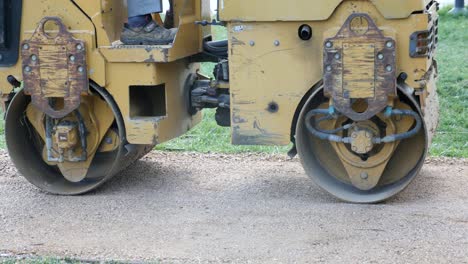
(359, 74)
(53, 70)
(362, 60)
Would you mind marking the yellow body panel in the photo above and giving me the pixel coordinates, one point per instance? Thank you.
(269, 63)
(261, 74)
(267, 10)
(98, 24)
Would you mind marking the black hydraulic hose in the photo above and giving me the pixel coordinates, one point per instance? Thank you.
(401, 136)
(322, 134)
(216, 48)
(218, 43)
(330, 134)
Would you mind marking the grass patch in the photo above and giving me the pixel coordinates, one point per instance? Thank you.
(452, 135)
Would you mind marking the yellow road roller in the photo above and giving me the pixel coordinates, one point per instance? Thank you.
(350, 83)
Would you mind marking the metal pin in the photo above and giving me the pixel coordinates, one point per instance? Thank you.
(72, 58)
(27, 69)
(389, 68)
(79, 47)
(108, 140)
(329, 44)
(277, 43)
(252, 43)
(380, 56)
(337, 56)
(81, 69)
(389, 44)
(26, 46)
(329, 68)
(364, 176)
(33, 57)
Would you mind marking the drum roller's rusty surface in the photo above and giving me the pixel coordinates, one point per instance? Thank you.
(54, 67)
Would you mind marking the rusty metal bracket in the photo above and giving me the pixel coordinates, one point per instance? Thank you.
(54, 69)
(359, 63)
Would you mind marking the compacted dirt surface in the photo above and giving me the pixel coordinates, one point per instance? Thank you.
(193, 208)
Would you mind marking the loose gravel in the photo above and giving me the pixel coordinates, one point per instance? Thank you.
(250, 208)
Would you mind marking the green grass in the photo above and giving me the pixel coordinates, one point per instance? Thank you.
(452, 136)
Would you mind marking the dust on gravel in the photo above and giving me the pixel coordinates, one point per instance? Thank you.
(248, 208)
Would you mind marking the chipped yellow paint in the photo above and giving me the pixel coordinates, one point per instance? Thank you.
(283, 73)
(359, 74)
(99, 23)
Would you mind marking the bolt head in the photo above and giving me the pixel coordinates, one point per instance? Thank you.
(79, 47)
(252, 43)
(277, 43)
(337, 56)
(81, 69)
(328, 68)
(26, 46)
(34, 58)
(329, 44)
(364, 176)
(27, 69)
(389, 68)
(380, 56)
(72, 58)
(389, 44)
(108, 140)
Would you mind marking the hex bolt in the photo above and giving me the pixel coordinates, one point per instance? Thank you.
(81, 69)
(364, 176)
(380, 56)
(33, 57)
(26, 46)
(252, 43)
(79, 47)
(337, 56)
(329, 44)
(72, 58)
(389, 68)
(27, 69)
(329, 68)
(277, 43)
(389, 44)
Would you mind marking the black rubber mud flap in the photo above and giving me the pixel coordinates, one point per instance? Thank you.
(10, 26)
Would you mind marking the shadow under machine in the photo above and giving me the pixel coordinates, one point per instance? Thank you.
(350, 83)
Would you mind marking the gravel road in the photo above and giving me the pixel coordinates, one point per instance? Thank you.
(192, 208)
